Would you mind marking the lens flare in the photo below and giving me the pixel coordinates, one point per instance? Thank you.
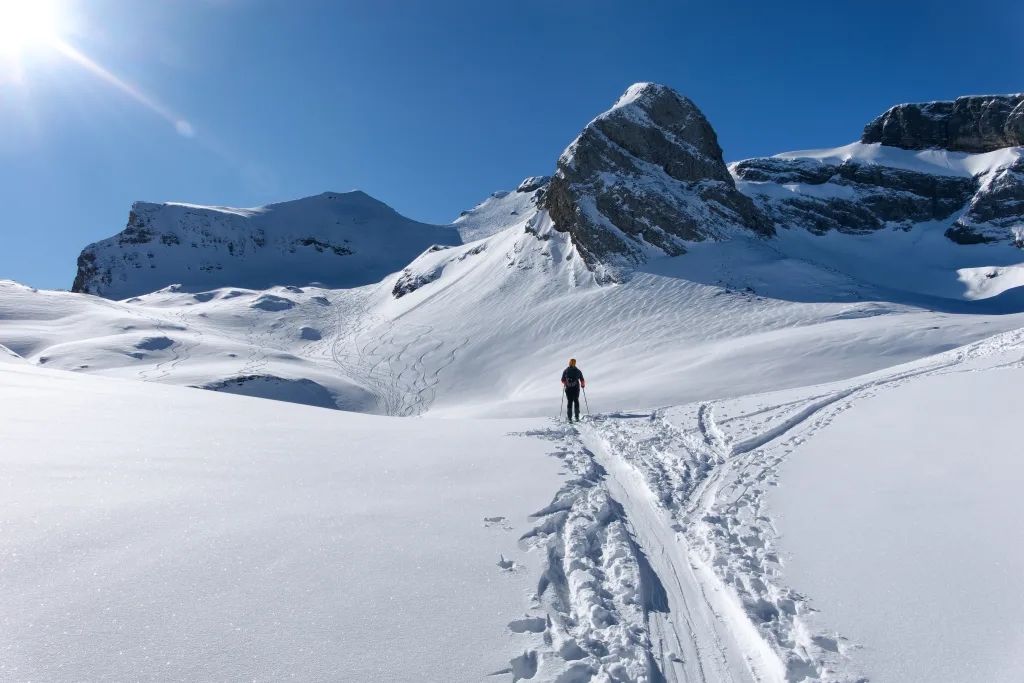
(25, 24)
(33, 24)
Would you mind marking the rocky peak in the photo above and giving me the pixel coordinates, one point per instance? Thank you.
(967, 124)
(642, 180)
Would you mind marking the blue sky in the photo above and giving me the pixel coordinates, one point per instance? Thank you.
(432, 106)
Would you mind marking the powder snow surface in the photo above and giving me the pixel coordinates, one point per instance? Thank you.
(156, 533)
(902, 520)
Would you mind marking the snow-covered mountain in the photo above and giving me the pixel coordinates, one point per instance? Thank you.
(801, 368)
(955, 165)
(440, 325)
(334, 239)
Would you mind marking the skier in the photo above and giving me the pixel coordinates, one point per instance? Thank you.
(572, 381)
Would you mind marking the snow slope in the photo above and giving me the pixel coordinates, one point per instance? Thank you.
(502, 210)
(901, 521)
(490, 326)
(336, 239)
(931, 161)
(485, 329)
(841, 532)
(778, 484)
(692, 543)
(170, 534)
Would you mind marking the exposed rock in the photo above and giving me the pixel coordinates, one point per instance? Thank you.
(852, 197)
(409, 281)
(643, 179)
(996, 212)
(967, 124)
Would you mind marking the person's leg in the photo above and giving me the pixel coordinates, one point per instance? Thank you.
(574, 400)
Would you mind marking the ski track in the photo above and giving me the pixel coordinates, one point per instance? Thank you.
(401, 364)
(698, 591)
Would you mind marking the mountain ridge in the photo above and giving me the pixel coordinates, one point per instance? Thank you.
(643, 180)
(338, 239)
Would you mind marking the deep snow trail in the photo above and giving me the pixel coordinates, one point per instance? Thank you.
(688, 488)
(700, 638)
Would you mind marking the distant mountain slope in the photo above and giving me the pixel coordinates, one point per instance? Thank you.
(785, 265)
(956, 166)
(336, 239)
(502, 210)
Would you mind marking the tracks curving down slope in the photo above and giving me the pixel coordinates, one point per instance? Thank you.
(660, 559)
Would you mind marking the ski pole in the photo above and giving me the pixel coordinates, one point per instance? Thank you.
(560, 406)
(585, 401)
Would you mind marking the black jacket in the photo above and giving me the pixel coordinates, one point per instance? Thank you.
(572, 378)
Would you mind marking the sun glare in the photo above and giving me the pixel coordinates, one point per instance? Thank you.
(24, 24)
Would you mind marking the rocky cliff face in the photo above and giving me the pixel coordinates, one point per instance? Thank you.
(337, 239)
(968, 124)
(996, 211)
(642, 180)
(957, 164)
(850, 196)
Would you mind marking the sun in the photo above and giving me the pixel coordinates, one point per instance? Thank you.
(25, 24)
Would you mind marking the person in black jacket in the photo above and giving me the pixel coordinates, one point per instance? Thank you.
(572, 381)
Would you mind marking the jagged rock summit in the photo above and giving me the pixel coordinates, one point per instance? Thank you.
(642, 180)
(976, 124)
(337, 239)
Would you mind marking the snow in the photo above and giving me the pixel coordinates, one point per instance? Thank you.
(920, 261)
(986, 282)
(334, 239)
(933, 161)
(789, 190)
(499, 212)
(635, 92)
(802, 518)
(901, 520)
(175, 534)
(8, 356)
(489, 324)
(800, 463)
(150, 529)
